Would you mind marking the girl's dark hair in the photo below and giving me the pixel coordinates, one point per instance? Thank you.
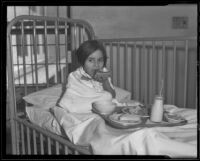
(87, 48)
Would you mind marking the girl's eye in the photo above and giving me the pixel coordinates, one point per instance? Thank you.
(90, 60)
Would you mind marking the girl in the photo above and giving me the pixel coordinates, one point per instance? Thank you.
(86, 84)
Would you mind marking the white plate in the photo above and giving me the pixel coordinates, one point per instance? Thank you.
(173, 118)
(115, 118)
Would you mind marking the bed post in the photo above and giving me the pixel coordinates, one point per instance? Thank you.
(11, 93)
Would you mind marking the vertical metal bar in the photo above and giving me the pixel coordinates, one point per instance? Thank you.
(125, 65)
(35, 53)
(17, 136)
(132, 70)
(32, 70)
(118, 64)
(137, 72)
(72, 36)
(186, 73)
(34, 142)
(11, 93)
(75, 36)
(66, 149)
(49, 145)
(22, 138)
(18, 69)
(145, 91)
(159, 68)
(46, 53)
(28, 139)
(151, 82)
(57, 52)
(41, 144)
(66, 54)
(174, 73)
(82, 35)
(163, 70)
(23, 54)
(196, 96)
(57, 147)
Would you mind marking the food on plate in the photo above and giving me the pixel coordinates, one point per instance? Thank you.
(134, 110)
(115, 116)
(128, 117)
(125, 119)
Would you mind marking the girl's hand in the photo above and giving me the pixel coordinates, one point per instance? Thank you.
(102, 76)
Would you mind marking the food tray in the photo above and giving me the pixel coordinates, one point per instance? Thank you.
(144, 123)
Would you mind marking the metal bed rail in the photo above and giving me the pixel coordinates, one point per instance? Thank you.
(139, 65)
(35, 140)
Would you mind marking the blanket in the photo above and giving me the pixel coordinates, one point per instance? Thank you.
(91, 130)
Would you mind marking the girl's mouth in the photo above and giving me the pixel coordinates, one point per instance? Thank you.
(94, 72)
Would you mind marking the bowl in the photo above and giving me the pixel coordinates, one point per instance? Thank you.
(104, 107)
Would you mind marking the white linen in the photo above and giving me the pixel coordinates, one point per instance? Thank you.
(48, 97)
(81, 91)
(189, 114)
(44, 119)
(45, 98)
(90, 129)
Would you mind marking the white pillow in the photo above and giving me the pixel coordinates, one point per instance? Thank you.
(45, 98)
(48, 97)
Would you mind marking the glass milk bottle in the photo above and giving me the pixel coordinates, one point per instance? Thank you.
(157, 109)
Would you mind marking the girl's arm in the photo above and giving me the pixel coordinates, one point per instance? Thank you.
(105, 79)
(107, 86)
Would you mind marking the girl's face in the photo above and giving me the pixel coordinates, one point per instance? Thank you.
(93, 63)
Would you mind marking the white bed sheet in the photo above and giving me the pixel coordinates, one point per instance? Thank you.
(90, 129)
(44, 119)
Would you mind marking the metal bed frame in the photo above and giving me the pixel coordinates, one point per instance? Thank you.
(25, 36)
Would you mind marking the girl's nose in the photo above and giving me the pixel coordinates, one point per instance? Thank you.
(96, 65)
